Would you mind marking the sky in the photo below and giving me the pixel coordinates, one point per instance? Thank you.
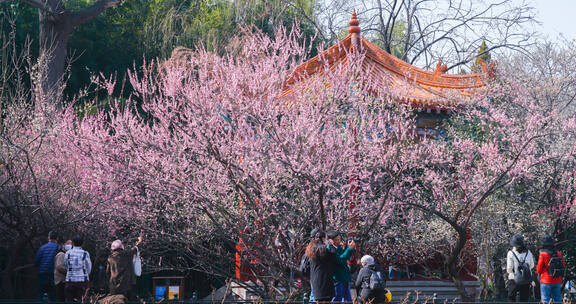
(557, 17)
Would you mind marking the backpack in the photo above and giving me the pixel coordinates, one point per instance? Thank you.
(376, 281)
(522, 273)
(555, 266)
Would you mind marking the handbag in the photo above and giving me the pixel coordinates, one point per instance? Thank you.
(137, 262)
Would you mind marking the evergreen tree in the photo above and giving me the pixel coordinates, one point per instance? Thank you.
(483, 56)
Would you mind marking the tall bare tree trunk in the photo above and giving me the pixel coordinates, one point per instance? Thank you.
(55, 30)
(56, 26)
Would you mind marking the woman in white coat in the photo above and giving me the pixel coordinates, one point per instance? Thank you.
(515, 259)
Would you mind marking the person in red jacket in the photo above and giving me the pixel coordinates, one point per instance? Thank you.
(550, 287)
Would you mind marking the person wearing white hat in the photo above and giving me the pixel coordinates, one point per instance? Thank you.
(371, 281)
(120, 268)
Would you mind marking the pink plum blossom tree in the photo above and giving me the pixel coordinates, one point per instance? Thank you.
(214, 158)
(494, 144)
(209, 153)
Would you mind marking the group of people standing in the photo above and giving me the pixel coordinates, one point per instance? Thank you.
(64, 269)
(520, 265)
(327, 259)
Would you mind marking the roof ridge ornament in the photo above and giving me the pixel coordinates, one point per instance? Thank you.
(354, 31)
(354, 24)
(440, 68)
(488, 69)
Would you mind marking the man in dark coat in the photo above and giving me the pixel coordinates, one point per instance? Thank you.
(120, 268)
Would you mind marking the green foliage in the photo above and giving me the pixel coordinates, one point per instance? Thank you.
(475, 130)
(138, 30)
(25, 20)
(483, 56)
(397, 38)
(173, 23)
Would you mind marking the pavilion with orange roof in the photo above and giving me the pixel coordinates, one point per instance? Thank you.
(431, 93)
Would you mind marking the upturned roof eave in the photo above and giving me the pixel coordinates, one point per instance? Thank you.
(440, 87)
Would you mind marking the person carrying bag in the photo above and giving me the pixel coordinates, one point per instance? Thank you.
(551, 268)
(519, 265)
(123, 267)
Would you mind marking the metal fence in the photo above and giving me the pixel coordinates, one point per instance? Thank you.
(190, 301)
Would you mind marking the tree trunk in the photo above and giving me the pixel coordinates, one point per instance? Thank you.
(460, 285)
(321, 203)
(56, 25)
(55, 30)
(452, 263)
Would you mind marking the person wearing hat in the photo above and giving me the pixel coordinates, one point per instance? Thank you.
(120, 268)
(517, 255)
(366, 294)
(550, 286)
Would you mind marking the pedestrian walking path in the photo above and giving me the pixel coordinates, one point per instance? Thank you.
(441, 290)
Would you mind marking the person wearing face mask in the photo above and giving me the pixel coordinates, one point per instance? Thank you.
(60, 271)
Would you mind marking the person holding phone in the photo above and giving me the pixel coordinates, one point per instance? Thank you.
(342, 276)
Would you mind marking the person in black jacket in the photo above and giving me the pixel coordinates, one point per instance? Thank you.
(323, 260)
(363, 282)
(304, 268)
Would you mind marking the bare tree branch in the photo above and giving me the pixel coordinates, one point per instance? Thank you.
(39, 4)
(92, 11)
(422, 31)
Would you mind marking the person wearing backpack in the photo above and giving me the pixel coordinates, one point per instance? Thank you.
(551, 268)
(371, 282)
(519, 265)
(78, 268)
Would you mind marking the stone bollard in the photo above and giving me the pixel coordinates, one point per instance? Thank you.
(305, 298)
(194, 297)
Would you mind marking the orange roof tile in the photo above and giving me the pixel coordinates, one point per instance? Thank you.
(416, 86)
